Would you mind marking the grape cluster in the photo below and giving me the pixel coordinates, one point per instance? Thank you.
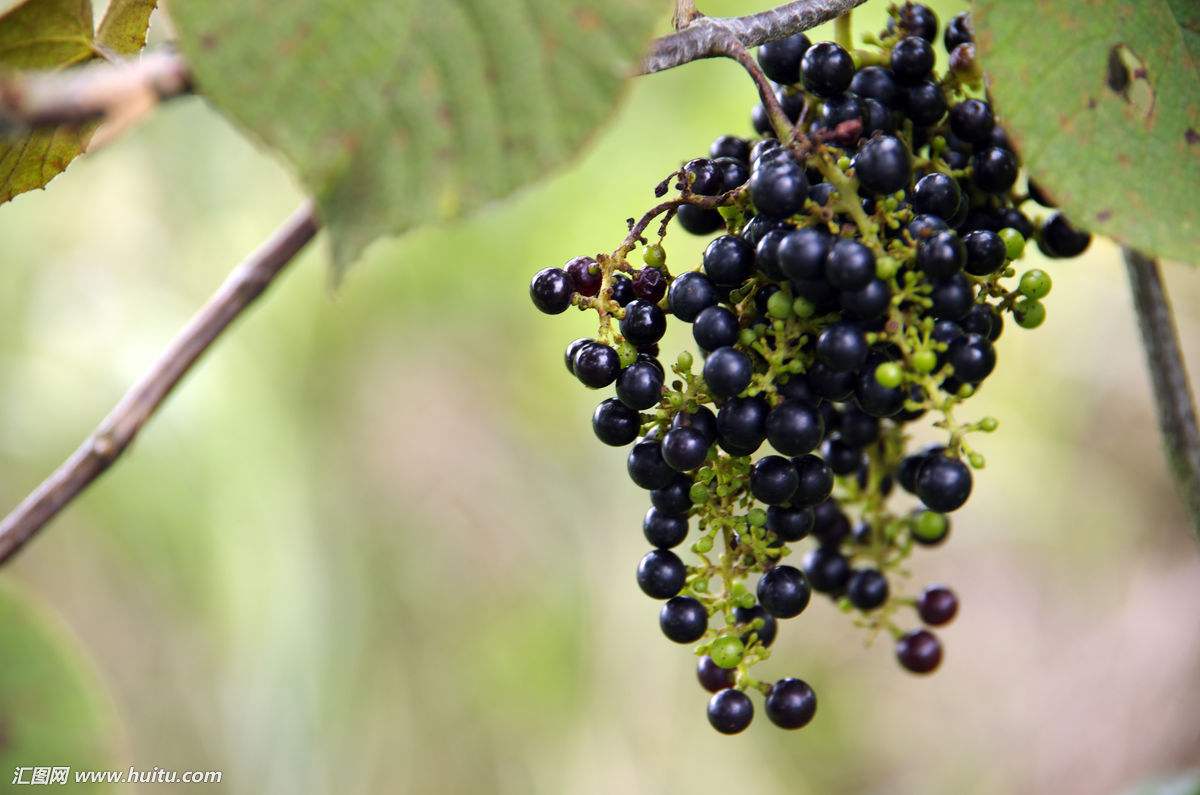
(859, 282)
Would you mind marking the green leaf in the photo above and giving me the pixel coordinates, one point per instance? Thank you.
(123, 29)
(398, 112)
(1103, 100)
(55, 34)
(52, 711)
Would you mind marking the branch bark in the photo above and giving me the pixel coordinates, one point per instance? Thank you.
(707, 37)
(76, 96)
(1168, 377)
(97, 453)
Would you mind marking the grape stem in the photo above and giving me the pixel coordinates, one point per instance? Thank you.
(635, 232)
(1168, 378)
(842, 32)
(779, 120)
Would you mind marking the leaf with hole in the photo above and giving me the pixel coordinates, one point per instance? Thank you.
(1103, 101)
(56, 34)
(395, 114)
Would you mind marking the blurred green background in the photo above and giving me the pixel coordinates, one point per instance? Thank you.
(372, 545)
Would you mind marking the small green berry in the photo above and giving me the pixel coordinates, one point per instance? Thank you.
(747, 336)
(757, 517)
(684, 361)
(889, 375)
(843, 162)
(976, 461)
(626, 353)
(988, 424)
(727, 650)
(700, 586)
(703, 545)
(930, 525)
(1029, 312)
(886, 268)
(802, 307)
(654, 255)
(698, 493)
(924, 361)
(965, 391)
(1014, 242)
(779, 306)
(1035, 284)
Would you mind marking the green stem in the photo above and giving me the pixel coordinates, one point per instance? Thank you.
(842, 32)
(847, 190)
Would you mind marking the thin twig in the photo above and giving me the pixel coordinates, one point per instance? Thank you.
(779, 120)
(1168, 377)
(103, 89)
(705, 37)
(143, 399)
(636, 229)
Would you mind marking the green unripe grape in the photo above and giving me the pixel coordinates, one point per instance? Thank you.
(627, 354)
(757, 517)
(886, 267)
(843, 162)
(930, 525)
(684, 361)
(976, 461)
(1034, 284)
(700, 586)
(924, 361)
(747, 336)
(698, 493)
(988, 424)
(965, 391)
(889, 374)
(1029, 312)
(1014, 242)
(802, 307)
(703, 545)
(745, 600)
(727, 651)
(779, 306)
(654, 256)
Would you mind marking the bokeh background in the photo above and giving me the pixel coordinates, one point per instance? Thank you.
(372, 546)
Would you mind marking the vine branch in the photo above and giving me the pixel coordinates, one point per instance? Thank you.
(76, 96)
(97, 453)
(1169, 379)
(708, 37)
